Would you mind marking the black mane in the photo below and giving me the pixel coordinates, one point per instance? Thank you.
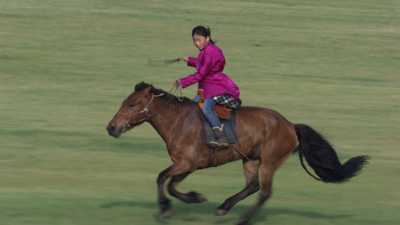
(170, 98)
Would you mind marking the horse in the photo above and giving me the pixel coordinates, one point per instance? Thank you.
(265, 140)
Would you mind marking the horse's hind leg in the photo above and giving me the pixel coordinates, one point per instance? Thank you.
(190, 197)
(272, 156)
(265, 174)
(250, 171)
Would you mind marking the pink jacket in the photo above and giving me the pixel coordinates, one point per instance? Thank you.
(209, 66)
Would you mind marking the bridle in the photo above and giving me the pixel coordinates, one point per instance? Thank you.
(177, 89)
(146, 107)
(146, 110)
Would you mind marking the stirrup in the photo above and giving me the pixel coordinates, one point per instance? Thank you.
(221, 128)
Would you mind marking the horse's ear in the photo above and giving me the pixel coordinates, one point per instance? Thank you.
(141, 86)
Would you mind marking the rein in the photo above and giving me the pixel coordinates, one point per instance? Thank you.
(177, 91)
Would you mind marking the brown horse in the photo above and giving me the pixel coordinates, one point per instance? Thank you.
(265, 140)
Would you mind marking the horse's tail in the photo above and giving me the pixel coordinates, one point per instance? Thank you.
(321, 156)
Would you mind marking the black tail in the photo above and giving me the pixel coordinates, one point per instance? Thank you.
(321, 156)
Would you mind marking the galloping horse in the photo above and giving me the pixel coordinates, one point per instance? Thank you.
(265, 140)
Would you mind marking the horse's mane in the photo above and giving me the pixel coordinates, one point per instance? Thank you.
(168, 97)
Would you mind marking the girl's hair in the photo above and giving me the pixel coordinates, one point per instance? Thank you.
(202, 31)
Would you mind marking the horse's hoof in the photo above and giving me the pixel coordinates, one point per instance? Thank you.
(165, 214)
(201, 198)
(165, 208)
(196, 197)
(243, 222)
(221, 212)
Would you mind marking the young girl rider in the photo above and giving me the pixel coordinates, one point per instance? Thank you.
(218, 88)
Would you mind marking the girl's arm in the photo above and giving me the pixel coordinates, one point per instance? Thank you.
(191, 61)
(199, 75)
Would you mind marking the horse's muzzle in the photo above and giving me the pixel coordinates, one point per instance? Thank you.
(113, 131)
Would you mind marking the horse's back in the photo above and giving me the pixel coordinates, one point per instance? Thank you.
(260, 114)
(258, 124)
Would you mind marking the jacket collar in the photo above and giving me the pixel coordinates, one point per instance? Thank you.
(207, 46)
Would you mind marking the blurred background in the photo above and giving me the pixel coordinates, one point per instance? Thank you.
(65, 67)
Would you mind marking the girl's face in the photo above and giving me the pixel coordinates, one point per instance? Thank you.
(200, 41)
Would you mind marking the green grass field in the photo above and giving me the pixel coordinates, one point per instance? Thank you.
(65, 66)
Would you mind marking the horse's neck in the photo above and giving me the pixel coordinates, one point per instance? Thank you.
(166, 118)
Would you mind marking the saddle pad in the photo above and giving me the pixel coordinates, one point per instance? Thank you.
(229, 129)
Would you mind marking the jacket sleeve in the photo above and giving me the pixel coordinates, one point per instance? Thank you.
(192, 61)
(200, 74)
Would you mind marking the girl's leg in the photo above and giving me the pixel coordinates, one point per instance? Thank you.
(196, 98)
(210, 114)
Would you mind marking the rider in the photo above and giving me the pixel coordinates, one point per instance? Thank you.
(218, 88)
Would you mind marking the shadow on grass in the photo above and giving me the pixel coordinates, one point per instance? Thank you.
(195, 211)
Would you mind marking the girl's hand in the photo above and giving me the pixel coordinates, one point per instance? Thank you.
(183, 59)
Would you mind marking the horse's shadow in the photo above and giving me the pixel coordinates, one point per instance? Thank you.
(193, 211)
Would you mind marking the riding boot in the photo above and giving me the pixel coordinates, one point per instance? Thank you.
(221, 140)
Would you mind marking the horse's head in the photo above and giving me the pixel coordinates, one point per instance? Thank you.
(133, 111)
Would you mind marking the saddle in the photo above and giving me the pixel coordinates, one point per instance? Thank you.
(222, 111)
(227, 118)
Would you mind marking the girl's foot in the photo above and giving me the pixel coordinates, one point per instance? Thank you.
(221, 140)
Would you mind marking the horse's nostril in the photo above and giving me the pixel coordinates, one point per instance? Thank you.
(111, 129)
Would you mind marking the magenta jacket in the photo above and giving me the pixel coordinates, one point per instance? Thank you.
(209, 66)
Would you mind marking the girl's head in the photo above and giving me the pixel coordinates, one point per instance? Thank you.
(201, 36)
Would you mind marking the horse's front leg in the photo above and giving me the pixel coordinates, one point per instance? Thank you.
(163, 201)
(190, 197)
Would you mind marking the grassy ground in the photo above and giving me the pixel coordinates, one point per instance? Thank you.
(66, 65)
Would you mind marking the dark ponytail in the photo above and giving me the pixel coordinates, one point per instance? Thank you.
(202, 31)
